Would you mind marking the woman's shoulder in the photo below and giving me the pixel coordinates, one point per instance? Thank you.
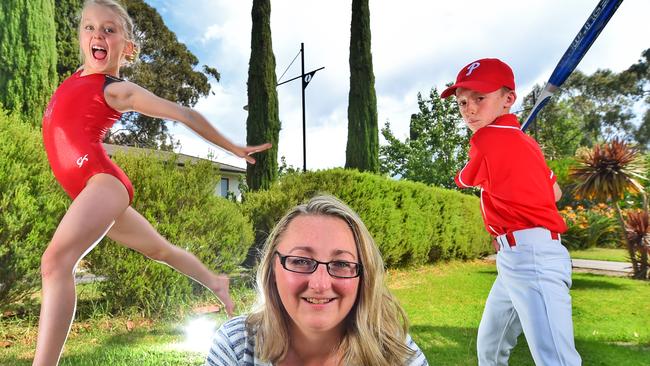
(235, 330)
(232, 343)
(236, 323)
(418, 358)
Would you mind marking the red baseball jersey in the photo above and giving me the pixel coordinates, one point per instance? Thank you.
(516, 184)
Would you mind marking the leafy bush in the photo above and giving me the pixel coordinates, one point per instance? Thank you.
(31, 205)
(181, 204)
(593, 227)
(560, 168)
(412, 223)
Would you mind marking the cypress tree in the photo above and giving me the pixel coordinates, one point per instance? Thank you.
(67, 14)
(263, 122)
(27, 56)
(362, 151)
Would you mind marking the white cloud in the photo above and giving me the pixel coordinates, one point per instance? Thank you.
(214, 32)
(416, 45)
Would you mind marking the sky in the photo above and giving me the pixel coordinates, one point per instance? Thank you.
(417, 45)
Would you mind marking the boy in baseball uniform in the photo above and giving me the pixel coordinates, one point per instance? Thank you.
(518, 195)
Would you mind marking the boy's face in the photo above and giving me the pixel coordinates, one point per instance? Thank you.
(481, 109)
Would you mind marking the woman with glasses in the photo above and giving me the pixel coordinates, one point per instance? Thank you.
(322, 299)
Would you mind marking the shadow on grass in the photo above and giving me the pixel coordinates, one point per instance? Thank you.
(456, 346)
(583, 281)
(489, 272)
(444, 345)
(595, 282)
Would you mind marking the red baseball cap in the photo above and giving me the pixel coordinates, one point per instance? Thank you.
(485, 76)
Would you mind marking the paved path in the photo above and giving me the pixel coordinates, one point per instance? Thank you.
(604, 267)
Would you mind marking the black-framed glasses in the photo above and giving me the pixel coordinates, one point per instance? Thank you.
(337, 268)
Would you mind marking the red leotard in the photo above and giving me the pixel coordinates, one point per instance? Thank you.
(74, 125)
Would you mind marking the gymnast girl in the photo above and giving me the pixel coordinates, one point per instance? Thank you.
(81, 111)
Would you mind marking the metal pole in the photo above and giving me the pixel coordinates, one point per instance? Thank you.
(304, 138)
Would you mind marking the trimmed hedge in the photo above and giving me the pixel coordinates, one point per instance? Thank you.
(412, 223)
(181, 204)
(31, 206)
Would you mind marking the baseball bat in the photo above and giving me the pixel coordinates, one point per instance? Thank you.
(572, 56)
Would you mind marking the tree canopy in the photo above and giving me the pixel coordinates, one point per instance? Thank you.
(67, 36)
(27, 57)
(436, 147)
(165, 67)
(590, 109)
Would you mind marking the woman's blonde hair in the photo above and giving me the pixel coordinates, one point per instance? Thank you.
(125, 20)
(376, 327)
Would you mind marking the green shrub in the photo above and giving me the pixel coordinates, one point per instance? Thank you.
(412, 223)
(591, 227)
(31, 205)
(181, 204)
(561, 169)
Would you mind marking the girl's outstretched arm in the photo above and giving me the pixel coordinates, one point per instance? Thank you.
(129, 97)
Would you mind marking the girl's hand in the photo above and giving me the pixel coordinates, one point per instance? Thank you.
(246, 151)
(222, 292)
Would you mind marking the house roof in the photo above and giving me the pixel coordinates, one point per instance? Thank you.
(182, 159)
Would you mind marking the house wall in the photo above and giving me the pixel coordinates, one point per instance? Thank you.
(233, 184)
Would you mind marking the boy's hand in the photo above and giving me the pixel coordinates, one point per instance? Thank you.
(246, 151)
(557, 191)
(495, 245)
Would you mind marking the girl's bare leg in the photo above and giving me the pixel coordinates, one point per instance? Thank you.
(134, 231)
(84, 224)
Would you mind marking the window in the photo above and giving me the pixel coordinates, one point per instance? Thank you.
(225, 187)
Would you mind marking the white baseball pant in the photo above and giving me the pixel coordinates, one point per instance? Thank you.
(530, 293)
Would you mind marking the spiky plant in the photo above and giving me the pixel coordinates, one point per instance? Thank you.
(606, 173)
(636, 226)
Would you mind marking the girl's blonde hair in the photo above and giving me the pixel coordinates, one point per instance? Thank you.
(376, 327)
(125, 20)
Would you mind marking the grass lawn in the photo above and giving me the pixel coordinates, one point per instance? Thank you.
(109, 342)
(602, 254)
(444, 303)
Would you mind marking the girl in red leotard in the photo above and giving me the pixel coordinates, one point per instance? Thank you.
(80, 112)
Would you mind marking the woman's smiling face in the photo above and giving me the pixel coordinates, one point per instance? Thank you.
(317, 302)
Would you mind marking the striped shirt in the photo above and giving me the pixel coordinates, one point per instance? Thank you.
(233, 345)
